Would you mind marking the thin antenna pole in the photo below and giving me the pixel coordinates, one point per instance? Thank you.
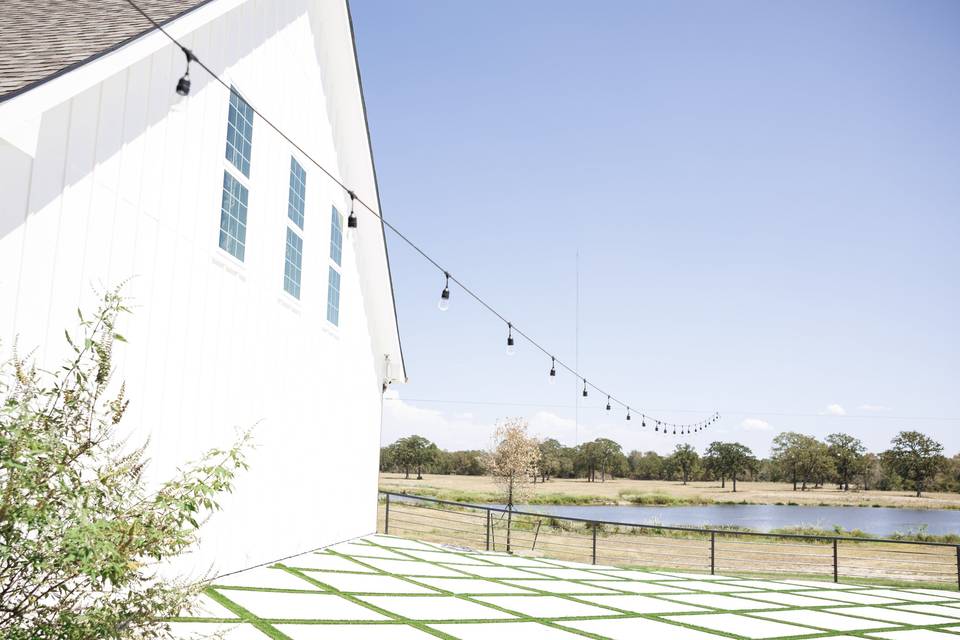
(576, 356)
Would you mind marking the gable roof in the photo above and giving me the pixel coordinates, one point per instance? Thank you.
(42, 39)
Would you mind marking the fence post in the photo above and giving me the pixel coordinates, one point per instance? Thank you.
(594, 543)
(713, 552)
(386, 516)
(958, 566)
(488, 529)
(836, 574)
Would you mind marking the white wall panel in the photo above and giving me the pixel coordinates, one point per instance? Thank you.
(126, 183)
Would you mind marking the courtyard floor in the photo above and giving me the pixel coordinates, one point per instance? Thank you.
(398, 589)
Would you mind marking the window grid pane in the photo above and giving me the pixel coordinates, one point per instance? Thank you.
(298, 190)
(233, 217)
(239, 133)
(336, 237)
(333, 297)
(293, 265)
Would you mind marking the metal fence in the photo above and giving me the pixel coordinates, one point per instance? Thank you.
(667, 547)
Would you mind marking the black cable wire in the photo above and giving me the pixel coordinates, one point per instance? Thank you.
(191, 57)
(738, 412)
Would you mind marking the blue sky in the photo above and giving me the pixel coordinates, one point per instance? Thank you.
(765, 198)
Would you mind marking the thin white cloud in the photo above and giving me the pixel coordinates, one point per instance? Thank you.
(449, 431)
(755, 424)
(835, 410)
(874, 407)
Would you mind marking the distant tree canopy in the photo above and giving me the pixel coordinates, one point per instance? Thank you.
(847, 454)
(915, 457)
(412, 452)
(914, 462)
(685, 458)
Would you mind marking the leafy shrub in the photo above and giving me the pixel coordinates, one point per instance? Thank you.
(81, 536)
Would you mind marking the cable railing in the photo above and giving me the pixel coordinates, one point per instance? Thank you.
(666, 547)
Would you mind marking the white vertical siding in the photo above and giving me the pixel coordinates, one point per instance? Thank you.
(126, 184)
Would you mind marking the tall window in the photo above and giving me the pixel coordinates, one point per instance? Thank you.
(296, 203)
(336, 254)
(233, 209)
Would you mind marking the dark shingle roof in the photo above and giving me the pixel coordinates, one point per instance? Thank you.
(40, 39)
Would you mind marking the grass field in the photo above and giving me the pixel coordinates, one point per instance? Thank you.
(623, 491)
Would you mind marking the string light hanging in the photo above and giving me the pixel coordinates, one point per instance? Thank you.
(183, 89)
(444, 303)
(183, 84)
(608, 403)
(352, 218)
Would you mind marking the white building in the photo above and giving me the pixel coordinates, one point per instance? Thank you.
(252, 306)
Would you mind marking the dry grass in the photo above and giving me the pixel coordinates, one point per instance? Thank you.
(480, 488)
(657, 549)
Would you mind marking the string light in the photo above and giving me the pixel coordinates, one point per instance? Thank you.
(444, 303)
(628, 413)
(608, 403)
(553, 370)
(183, 84)
(352, 218)
(183, 88)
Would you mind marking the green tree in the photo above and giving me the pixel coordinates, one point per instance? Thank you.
(871, 472)
(737, 459)
(716, 463)
(416, 452)
(80, 533)
(847, 453)
(915, 457)
(646, 466)
(606, 452)
(465, 463)
(816, 465)
(685, 458)
(588, 459)
(787, 453)
(551, 459)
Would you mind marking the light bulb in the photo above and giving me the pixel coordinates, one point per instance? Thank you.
(510, 349)
(444, 303)
(553, 371)
(352, 218)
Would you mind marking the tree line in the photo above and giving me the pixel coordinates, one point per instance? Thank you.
(914, 461)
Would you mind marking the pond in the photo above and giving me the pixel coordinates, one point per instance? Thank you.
(880, 521)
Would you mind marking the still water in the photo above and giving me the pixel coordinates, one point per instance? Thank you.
(875, 520)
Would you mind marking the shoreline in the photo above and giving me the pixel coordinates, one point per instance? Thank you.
(651, 500)
(625, 492)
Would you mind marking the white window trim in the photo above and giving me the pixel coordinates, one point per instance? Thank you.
(301, 233)
(331, 263)
(236, 174)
